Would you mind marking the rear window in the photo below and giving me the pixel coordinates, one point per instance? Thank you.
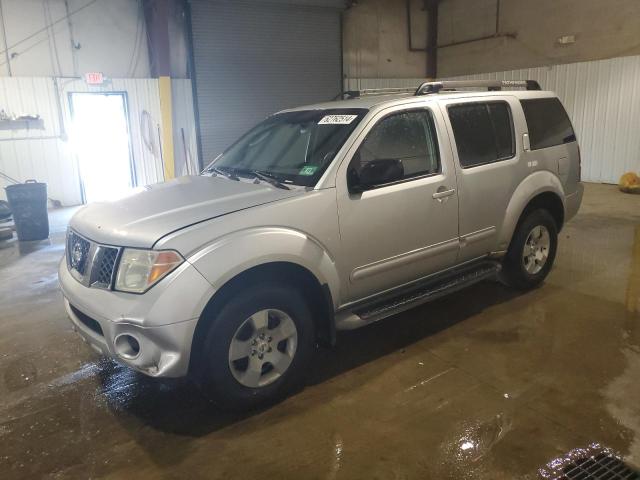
(483, 132)
(548, 123)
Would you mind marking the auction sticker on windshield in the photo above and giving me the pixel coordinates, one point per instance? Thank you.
(337, 119)
(308, 170)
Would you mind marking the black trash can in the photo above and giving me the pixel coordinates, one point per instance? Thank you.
(28, 203)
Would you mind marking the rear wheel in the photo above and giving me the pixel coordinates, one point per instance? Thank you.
(532, 250)
(258, 348)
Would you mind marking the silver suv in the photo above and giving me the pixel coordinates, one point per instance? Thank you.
(323, 218)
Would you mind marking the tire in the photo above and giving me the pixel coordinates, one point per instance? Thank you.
(532, 251)
(235, 384)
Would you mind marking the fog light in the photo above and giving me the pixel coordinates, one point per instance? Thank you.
(127, 346)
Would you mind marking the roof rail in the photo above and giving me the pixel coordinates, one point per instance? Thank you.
(435, 87)
(374, 91)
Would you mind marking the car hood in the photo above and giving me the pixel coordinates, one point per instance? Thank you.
(141, 219)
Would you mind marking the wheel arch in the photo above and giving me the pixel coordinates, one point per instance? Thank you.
(317, 295)
(541, 189)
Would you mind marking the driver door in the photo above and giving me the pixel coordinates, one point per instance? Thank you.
(406, 227)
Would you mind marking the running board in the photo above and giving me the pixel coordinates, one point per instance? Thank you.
(444, 285)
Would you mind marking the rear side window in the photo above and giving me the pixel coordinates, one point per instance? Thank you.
(483, 132)
(548, 123)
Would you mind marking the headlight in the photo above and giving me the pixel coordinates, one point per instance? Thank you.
(139, 270)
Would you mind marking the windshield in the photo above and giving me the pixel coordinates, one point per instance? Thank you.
(292, 147)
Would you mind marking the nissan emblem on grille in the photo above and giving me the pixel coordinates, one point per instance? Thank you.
(91, 264)
(79, 248)
(76, 256)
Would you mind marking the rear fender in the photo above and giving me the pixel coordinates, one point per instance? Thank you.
(532, 186)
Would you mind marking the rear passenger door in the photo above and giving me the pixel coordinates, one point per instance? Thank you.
(486, 148)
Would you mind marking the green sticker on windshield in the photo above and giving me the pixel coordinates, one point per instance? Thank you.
(308, 170)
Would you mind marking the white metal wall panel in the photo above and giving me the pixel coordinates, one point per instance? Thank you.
(602, 98)
(37, 154)
(47, 155)
(255, 58)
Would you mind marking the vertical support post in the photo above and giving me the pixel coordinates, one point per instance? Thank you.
(156, 13)
(72, 38)
(194, 85)
(166, 109)
(431, 7)
(4, 37)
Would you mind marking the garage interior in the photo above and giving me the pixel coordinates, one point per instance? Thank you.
(487, 383)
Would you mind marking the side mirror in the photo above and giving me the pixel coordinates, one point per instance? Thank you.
(374, 174)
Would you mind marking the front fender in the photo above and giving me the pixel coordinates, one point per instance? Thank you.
(533, 185)
(235, 253)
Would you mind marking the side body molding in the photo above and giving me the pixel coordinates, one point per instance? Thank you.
(227, 257)
(538, 182)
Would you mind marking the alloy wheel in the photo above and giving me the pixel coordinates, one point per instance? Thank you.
(262, 348)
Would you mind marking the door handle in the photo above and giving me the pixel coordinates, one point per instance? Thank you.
(441, 193)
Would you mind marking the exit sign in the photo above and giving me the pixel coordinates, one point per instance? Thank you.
(94, 78)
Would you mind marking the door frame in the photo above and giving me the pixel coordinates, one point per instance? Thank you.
(447, 170)
(125, 100)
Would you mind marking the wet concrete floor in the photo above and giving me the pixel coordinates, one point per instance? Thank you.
(485, 384)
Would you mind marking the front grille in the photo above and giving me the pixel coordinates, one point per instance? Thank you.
(602, 466)
(87, 321)
(91, 264)
(105, 265)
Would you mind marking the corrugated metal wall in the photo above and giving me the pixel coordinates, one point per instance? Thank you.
(603, 101)
(38, 154)
(47, 155)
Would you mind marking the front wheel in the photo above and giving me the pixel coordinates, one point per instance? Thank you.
(532, 251)
(258, 348)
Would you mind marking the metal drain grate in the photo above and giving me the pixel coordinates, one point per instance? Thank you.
(599, 467)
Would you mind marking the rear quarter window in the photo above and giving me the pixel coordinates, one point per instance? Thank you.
(548, 123)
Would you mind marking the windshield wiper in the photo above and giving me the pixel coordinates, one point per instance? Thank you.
(219, 171)
(269, 179)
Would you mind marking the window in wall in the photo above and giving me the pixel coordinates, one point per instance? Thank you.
(548, 123)
(483, 132)
(409, 137)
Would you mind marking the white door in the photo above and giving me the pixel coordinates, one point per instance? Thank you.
(396, 232)
(101, 141)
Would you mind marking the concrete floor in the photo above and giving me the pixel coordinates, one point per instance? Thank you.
(483, 384)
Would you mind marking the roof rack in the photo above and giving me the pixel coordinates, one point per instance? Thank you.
(492, 85)
(428, 88)
(374, 91)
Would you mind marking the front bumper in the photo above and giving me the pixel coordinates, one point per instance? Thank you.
(162, 321)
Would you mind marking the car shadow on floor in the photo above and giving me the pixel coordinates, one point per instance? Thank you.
(178, 407)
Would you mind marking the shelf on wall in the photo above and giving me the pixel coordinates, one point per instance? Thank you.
(30, 124)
